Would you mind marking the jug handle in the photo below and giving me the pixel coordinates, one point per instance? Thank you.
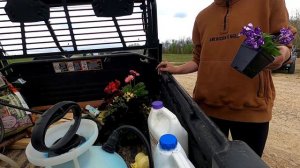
(181, 160)
(165, 115)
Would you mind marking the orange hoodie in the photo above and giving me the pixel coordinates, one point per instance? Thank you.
(221, 91)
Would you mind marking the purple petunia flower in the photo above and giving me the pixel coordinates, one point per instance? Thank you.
(256, 39)
(254, 36)
(286, 36)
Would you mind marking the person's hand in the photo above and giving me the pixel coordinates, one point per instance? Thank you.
(166, 66)
(279, 60)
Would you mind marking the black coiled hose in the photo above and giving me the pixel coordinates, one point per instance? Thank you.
(113, 139)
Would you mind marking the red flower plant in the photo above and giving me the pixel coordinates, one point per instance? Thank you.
(120, 99)
(112, 87)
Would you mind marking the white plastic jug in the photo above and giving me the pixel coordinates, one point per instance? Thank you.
(169, 154)
(162, 121)
(83, 156)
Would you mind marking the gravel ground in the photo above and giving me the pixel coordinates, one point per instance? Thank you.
(283, 145)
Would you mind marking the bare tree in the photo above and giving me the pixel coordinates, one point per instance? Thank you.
(295, 21)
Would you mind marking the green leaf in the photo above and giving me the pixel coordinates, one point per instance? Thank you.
(127, 88)
(269, 46)
(140, 89)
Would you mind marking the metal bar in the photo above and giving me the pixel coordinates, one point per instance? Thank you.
(17, 38)
(89, 33)
(83, 39)
(5, 33)
(144, 20)
(43, 48)
(38, 48)
(58, 17)
(120, 19)
(53, 36)
(119, 31)
(9, 27)
(92, 21)
(110, 43)
(90, 27)
(4, 20)
(102, 27)
(41, 42)
(90, 8)
(74, 52)
(33, 31)
(105, 32)
(126, 25)
(123, 25)
(69, 24)
(23, 38)
(112, 37)
(98, 21)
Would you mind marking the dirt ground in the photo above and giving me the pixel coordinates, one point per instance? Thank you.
(283, 145)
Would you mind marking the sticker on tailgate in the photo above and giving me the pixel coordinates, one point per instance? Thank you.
(77, 65)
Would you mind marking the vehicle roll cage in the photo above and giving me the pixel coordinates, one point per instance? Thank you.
(75, 29)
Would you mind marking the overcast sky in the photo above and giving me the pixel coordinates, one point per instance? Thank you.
(176, 17)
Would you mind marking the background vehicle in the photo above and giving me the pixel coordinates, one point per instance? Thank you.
(290, 66)
(125, 37)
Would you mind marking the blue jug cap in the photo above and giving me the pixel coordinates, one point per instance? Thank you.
(157, 104)
(168, 142)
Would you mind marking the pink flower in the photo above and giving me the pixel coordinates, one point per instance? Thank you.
(129, 78)
(134, 73)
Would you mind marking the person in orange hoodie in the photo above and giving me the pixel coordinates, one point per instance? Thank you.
(232, 100)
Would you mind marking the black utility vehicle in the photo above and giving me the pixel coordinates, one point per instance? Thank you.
(290, 65)
(46, 43)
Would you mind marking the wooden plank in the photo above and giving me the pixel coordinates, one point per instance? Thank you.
(20, 144)
(13, 139)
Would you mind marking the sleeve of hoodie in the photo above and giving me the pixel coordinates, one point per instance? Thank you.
(196, 43)
(279, 17)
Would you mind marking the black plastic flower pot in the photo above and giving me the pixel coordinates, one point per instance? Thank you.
(250, 61)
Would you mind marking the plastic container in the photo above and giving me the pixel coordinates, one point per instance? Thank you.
(162, 121)
(141, 161)
(83, 156)
(169, 154)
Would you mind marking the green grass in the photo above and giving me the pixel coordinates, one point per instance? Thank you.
(19, 60)
(177, 58)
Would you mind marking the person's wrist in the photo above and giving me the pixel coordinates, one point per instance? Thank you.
(285, 52)
(176, 70)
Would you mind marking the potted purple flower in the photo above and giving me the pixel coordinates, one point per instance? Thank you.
(259, 49)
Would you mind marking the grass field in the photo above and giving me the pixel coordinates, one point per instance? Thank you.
(19, 60)
(177, 58)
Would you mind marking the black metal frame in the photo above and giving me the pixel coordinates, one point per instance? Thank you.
(67, 33)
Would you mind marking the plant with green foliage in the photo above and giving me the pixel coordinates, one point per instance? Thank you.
(122, 99)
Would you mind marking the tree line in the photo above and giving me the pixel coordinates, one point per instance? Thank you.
(181, 46)
(295, 22)
(185, 46)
